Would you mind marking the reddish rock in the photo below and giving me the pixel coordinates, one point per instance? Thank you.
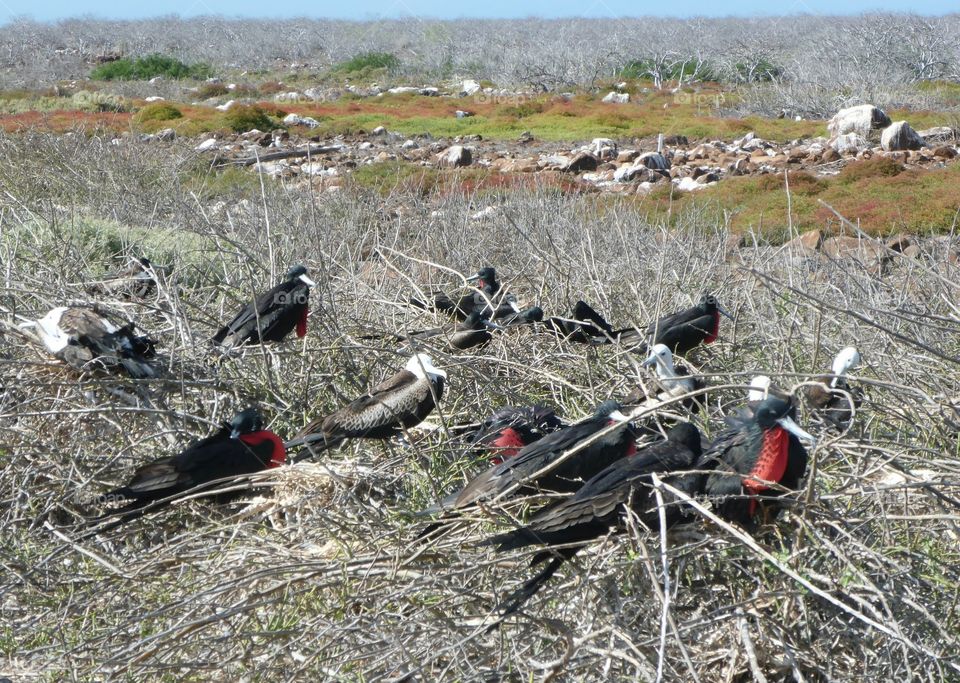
(852, 247)
(944, 152)
(627, 155)
(807, 242)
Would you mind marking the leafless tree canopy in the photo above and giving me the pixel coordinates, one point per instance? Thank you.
(808, 64)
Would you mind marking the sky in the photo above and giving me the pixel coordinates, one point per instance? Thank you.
(49, 10)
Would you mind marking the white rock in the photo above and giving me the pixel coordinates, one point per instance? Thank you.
(296, 120)
(231, 86)
(292, 96)
(460, 114)
(860, 119)
(469, 87)
(206, 145)
(404, 90)
(365, 145)
(484, 213)
(379, 130)
(156, 79)
(900, 136)
(848, 143)
(315, 168)
(409, 144)
(455, 156)
(226, 105)
(153, 98)
(630, 172)
(616, 97)
(688, 184)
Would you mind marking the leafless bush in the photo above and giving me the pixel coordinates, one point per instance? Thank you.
(814, 61)
(318, 577)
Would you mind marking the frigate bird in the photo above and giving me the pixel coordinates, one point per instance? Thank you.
(273, 315)
(399, 402)
(602, 504)
(753, 456)
(241, 447)
(503, 434)
(689, 328)
(828, 398)
(86, 338)
(541, 466)
(137, 279)
(674, 381)
(482, 297)
(474, 331)
(584, 326)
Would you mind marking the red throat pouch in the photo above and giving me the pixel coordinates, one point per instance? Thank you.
(279, 453)
(507, 444)
(715, 332)
(772, 461)
(302, 322)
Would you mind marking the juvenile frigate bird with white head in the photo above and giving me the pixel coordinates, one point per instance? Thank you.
(828, 398)
(85, 338)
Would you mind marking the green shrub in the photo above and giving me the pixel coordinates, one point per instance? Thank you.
(877, 167)
(158, 111)
(368, 61)
(208, 90)
(642, 69)
(243, 117)
(145, 68)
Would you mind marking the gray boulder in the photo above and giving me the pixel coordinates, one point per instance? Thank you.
(860, 119)
(900, 136)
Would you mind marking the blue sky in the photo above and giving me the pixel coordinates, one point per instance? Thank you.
(368, 9)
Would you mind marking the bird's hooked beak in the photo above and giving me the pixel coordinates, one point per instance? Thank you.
(307, 281)
(235, 433)
(796, 430)
(473, 278)
(618, 416)
(649, 362)
(723, 311)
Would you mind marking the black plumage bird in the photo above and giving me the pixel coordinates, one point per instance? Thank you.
(486, 296)
(400, 402)
(472, 332)
(687, 329)
(828, 399)
(504, 434)
(584, 326)
(560, 476)
(241, 447)
(274, 314)
(602, 503)
(86, 338)
(753, 456)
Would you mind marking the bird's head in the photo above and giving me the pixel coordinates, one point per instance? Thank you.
(662, 359)
(422, 366)
(611, 410)
(845, 361)
(299, 273)
(484, 277)
(246, 422)
(775, 412)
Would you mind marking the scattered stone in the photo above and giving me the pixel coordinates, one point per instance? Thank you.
(676, 140)
(379, 130)
(226, 105)
(603, 148)
(296, 120)
(830, 155)
(581, 162)
(900, 136)
(409, 144)
(454, 157)
(469, 87)
(860, 120)
(165, 135)
(525, 138)
(654, 161)
(807, 242)
(944, 152)
(460, 114)
(292, 96)
(631, 173)
(484, 213)
(206, 145)
(153, 98)
(156, 79)
(614, 97)
(851, 247)
(627, 155)
(365, 145)
(848, 143)
(404, 90)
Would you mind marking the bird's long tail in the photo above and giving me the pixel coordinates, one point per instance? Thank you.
(532, 586)
(313, 445)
